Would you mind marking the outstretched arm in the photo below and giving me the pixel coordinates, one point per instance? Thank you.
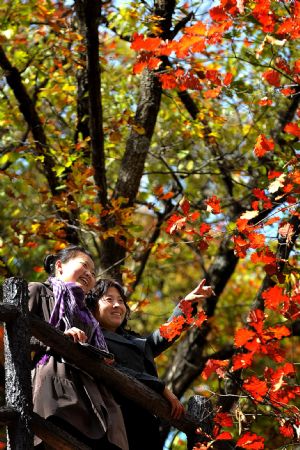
(197, 295)
(200, 293)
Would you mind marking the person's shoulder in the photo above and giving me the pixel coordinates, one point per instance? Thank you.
(35, 287)
(129, 333)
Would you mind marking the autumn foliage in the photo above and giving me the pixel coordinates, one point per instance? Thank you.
(167, 142)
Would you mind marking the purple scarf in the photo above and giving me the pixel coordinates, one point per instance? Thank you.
(69, 310)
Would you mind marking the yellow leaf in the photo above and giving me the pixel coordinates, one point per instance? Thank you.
(139, 129)
(277, 183)
(68, 88)
(249, 215)
(4, 159)
(115, 136)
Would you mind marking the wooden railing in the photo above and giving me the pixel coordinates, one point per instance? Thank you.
(17, 414)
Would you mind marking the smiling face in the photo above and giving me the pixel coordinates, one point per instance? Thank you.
(79, 269)
(111, 309)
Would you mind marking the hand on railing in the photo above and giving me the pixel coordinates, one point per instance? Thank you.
(76, 334)
(177, 408)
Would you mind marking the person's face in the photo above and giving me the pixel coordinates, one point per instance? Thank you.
(79, 270)
(110, 310)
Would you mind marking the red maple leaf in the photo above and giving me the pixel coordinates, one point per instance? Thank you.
(274, 174)
(141, 43)
(292, 128)
(213, 76)
(218, 14)
(228, 79)
(225, 436)
(291, 27)
(287, 91)
(168, 80)
(265, 102)
(200, 318)
(273, 351)
(283, 65)
(265, 256)
(256, 319)
(223, 419)
(287, 430)
(212, 93)
(240, 246)
(185, 206)
(272, 77)
(251, 441)
(267, 21)
(175, 223)
(187, 309)
(259, 193)
(263, 145)
(296, 68)
(256, 240)
(257, 388)
(172, 329)
(214, 366)
(272, 220)
(242, 225)
(242, 336)
(274, 297)
(213, 205)
(204, 228)
(278, 332)
(242, 360)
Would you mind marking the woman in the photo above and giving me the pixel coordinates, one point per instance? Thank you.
(61, 392)
(108, 304)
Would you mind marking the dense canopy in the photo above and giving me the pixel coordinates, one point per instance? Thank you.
(164, 136)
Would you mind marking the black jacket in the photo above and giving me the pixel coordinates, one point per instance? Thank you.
(135, 354)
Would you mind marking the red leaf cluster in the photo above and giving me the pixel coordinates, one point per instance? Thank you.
(251, 441)
(263, 145)
(276, 300)
(223, 419)
(172, 329)
(186, 223)
(213, 205)
(258, 340)
(292, 128)
(257, 388)
(215, 366)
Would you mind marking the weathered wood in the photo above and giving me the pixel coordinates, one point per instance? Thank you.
(8, 415)
(8, 312)
(17, 365)
(202, 410)
(54, 436)
(113, 378)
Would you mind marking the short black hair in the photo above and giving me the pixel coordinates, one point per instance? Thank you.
(100, 289)
(64, 255)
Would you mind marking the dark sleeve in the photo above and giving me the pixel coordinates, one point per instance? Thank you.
(35, 305)
(41, 300)
(158, 343)
(34, 290)
(152, 382)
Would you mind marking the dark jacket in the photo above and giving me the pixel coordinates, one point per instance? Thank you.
(137, 352)
(135, 355)
(61, 390)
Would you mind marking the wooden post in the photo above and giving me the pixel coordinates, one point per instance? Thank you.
(17, 365)
(201, 409)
